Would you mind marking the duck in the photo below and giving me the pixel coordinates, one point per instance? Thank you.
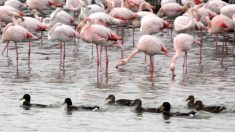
(125, 102)
(211, 109)
(70, 106)
(27, 103)
(166, 107)
(191, 102)
(140, 109)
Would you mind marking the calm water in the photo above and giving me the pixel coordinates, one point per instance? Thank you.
(46, 84)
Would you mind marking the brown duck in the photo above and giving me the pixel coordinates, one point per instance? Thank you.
(191, 102)
(126, 102)
(212, 109)
(139, 108)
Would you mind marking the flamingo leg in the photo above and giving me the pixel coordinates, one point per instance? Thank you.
(233, 43)
(133, 35)
(122, 41)
(29, 53)
(17, 59)
(186, 61)
(6, 48)
(63, 55)
(107, 62)
(60, 43)
(151, 68)
(216, 41)
(200, 45)
(101, 48)
(41, 38)
(97, 63)
(222, 60)
(92, 51)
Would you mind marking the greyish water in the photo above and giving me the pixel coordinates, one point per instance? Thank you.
(46, 84)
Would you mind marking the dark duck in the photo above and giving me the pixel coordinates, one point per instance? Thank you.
(166, 107)
(212, 109)
(27, 103)
(70, 106)
(126, 102)
(139, 108)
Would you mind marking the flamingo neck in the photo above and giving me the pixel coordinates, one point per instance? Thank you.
(191, 21)
(133, 53)
(14, 20)
(173, 62)
(126, 60)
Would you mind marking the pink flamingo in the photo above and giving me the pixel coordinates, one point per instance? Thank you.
(153, 24)
(163, 2)
(189, 22)
(99, 35)
(59, 15)
(182, 42)
(16, 33)
(220, 24)
(72, 5)
(41, 5)
(62, 33)
(151, 46)
(32, 25)
(15, 3)
(203, 13)
(135, 4)
(172, 10)
(215, 5)
(105, 19)
(228, 10)
(6, 15)
(87, 9)
(124, 14)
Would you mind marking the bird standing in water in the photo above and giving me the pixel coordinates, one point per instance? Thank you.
(151, 46)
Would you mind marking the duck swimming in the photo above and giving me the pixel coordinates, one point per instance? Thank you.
(139, 108)
(70, 106)
(212, 109)
(166, 107)
(27, 103)
(126, 102)
(191, 103)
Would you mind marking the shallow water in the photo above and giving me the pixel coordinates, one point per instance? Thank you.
(46, 83)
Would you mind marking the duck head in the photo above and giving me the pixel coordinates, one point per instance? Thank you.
(111, 98)
(26, 97)
(68, 101)
(166, 107)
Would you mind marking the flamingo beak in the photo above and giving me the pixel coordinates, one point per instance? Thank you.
(21, 14)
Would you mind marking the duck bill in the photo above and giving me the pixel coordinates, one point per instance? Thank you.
(21, 98)
(161, 108)
(63, 103)
(107, 98)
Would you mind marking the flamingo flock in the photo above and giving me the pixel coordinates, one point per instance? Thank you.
(96, 20)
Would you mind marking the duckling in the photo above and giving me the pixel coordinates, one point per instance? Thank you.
(27, 103)
(139, 108)
(166, 107)
(70, 106)
(126, 102)
(191, 103)
(212, 109)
